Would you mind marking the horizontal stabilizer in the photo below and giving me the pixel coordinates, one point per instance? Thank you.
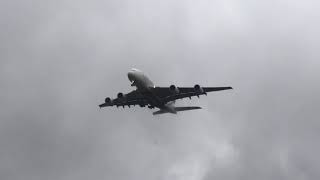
(160, 112)
(186, 108)
(177, 109)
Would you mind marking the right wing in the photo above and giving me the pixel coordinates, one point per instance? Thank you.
(131, 99)
(184, 92)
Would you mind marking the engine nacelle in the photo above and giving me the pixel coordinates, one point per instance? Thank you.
(107, 100)
(174, 89)
(198, 89)
(121, 96)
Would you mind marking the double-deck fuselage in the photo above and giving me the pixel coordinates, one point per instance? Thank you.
(145, 86)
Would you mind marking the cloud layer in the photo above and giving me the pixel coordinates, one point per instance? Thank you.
(59, 60)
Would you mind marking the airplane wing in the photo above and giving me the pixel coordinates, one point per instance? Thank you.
(167, 94)
(131, 99)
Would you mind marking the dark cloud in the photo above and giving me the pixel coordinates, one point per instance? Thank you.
(58, 60)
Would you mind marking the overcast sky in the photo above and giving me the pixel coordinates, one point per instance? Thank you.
(60, 59)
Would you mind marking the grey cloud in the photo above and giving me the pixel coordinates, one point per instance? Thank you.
(58, 60)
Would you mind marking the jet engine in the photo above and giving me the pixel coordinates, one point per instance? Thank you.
(107, 100)
(198, 89)
(174, 89)
(121, 96)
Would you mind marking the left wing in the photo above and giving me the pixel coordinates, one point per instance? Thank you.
(173, 93)
(132, 98)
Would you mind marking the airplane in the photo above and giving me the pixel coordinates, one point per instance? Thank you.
(163, 98)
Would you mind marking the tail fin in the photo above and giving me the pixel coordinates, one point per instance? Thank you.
(177, 109)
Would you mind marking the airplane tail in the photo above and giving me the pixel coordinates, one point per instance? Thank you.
(187, 108)
(177, 109)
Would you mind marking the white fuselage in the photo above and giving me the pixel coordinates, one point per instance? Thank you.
(144, 84)
(140, 80)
